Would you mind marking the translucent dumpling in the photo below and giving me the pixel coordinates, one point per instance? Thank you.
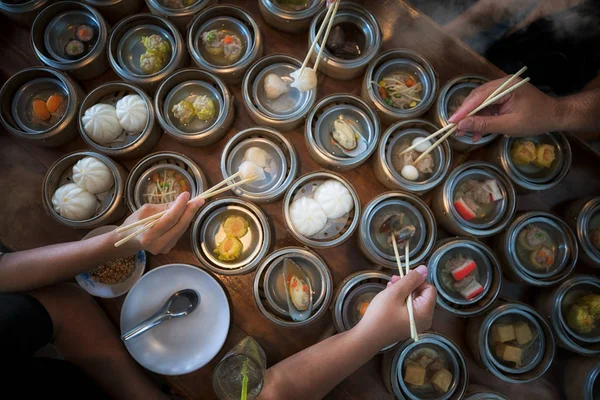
(132, 113)
(306, 82)
(275, 86)
(101, 124)
(334, 198)
(73, 202)
(258, 156)
(307, 216)
(93, 175)
(250, 169)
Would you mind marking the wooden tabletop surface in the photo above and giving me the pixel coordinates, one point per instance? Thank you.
(24, 224)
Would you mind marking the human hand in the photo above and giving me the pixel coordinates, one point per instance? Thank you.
(163, 236)
(524, 112)
(386, 320)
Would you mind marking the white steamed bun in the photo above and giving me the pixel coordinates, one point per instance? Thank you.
(307, 216)
(101, 124)
(132, 113)
(93, 175)
(73, 202)
(334, 198)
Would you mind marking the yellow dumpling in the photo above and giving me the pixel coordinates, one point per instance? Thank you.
(229, 249)
(544, 155)
(523, 152)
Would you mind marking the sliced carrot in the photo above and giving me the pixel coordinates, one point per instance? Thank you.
(41, 110)
(304, 288)
(382, 92)
(54, 102)
(228, 40)
(410, 82)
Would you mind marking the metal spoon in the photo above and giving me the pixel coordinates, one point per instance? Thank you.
(180, 304)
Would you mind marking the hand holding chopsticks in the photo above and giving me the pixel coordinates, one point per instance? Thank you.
(409, 300)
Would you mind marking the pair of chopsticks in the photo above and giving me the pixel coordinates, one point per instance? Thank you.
(327, 21)
(451, 128)
(409, 300)
(150, 221)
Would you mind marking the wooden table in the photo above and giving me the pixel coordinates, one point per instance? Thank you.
(24, 224)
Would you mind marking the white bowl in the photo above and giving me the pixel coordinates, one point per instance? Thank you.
(109, 291)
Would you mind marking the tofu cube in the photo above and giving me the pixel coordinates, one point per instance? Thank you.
(523, 333)
(508, 352)
(503, 333)
(415, 375)
(441, 380)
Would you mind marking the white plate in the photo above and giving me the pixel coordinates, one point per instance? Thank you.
(184, 344)
(109, 291)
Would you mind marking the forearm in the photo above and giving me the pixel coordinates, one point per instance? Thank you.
(580, 112)
(31, 269)
(313, 372)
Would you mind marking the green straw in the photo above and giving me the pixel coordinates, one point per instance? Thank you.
(244, 381)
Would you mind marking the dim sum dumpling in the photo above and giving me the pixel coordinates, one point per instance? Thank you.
(73, 202)
(132, 113)
(275, 86)
(258, 156)
(334, 198)
(93, 175)
(306, 82)
(250, 169)
(307, 216)
(101, 124)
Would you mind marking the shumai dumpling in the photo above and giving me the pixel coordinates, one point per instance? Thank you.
(334, 198)
(101, 123)
(132, 113)
(307, 216)
(93, 175)
(73, 202)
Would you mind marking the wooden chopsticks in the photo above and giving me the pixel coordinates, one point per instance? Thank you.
(409, 300)
(150, 221)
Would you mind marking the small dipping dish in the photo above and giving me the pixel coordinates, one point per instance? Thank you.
(282, 163)
(287, 17)
(515, 248)
(487, 274)
(126, 49)
(111, 205)
(129, 144)
(450, 98)
(234, 21)
(433, 345)
(319, 127)
(208, 232)
(22, 12)
(269, 290)
(489, 333)
(374, 243)
(583, 216)
(389, 163)
(356, 291)
(359, 27)
(177, 11)
(529, 177)
(17, 115)
(408, 65)
(184, 85)
(54, 30)
(336, 231)
(286, 112)
(115, 10)
(492, 218)
(161, 163)
(564, 307)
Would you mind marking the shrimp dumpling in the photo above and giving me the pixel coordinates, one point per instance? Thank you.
(250, 169)
(101, 124)
(132, 113)
(307, 216)
(73, 202)
(306, 82)
(93, 175)
(275, 86)
(258, 156)
(334, 198)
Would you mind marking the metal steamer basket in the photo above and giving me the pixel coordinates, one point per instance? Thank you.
(387, 158)
(399, 60)
(283, 164)
(180, 17)
(52, 29)
(288, 111)
(362, 21)
(22, 88)
(207, 233)
(128, 145)
(581, 378)
(288, 19)
(180, 85)
(116, 10)
(269, 292)
(168, 160)
(582, 216)
(22, 13)
(111, 204)
(374, 244)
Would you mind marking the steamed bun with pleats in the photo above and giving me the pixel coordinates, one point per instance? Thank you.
(307, 216)
(132, 113)
(93, 175)
(74, 203)
(334, 198)
(101, 124)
